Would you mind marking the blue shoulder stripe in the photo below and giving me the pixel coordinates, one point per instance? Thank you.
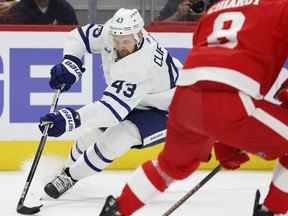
(115, 113)
(121, 102)
(85, 37)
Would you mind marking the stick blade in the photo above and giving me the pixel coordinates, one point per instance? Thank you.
(21, 209)
(256, 201)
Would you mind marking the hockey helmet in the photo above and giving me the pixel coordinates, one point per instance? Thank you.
(126, 22)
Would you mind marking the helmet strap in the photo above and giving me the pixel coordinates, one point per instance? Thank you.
(138, 40)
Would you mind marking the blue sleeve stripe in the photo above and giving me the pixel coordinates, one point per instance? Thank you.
(90, 164)
(100, 155)
(78, 149)
(122, 103)
(84, 38)
(87, 36)
(170, 70)
(115, 113)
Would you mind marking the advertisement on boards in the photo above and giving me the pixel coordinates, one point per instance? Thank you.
(25, 62)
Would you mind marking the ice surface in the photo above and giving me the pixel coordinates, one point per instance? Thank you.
(227, 193)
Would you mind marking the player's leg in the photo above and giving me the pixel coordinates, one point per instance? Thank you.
(112, 143)
(182, 153)
(64, 181)
(87, 138)
(263, 132)
(277, 198)
(260, 127)
(151, 125)
(141, 128)
(154, 177)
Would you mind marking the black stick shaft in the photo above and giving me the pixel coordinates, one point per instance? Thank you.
(39, 152)
(192, 191)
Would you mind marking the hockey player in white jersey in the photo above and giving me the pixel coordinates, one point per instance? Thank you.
(132, 111)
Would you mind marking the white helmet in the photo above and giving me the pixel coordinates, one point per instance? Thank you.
(125, 22)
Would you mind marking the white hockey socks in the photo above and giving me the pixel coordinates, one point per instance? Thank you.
(90, 162)
(87, 138)
(114, 142)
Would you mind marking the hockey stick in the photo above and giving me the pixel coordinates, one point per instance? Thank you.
(21, 208)
(256, 201)
(192, 191)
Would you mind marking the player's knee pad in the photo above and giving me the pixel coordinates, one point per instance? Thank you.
(174, 171)
(284, 161)
(118, 139)
(88, 137)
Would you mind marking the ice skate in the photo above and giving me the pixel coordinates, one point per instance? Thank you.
(110, 207)
(59, 185)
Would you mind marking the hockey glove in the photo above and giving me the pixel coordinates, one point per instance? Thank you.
(61, 121)
(66, 73)
(282, 94)
(229, 157)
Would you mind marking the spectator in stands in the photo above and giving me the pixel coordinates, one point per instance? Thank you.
(41, 12)
(184, 10)
(5, 5)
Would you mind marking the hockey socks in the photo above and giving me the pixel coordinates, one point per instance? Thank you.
(145, 184)
(91, 161)
(277, 198)
(75, 153)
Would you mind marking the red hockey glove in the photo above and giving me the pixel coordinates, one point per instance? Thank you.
(230, 157)
(282, 94)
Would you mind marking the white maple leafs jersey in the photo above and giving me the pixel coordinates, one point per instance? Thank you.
(144, 79)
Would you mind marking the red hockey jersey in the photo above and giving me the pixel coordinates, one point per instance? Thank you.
(242, 43)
